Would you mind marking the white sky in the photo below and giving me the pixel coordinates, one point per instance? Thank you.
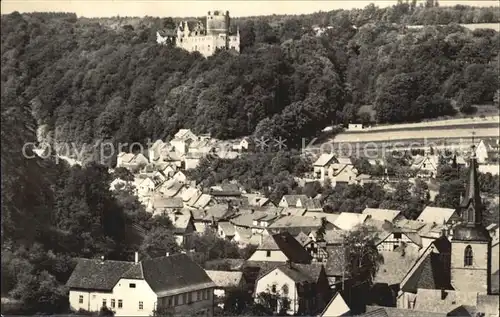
(176, 8)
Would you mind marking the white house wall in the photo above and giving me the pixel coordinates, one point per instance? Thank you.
(132, 296)
(275, 256)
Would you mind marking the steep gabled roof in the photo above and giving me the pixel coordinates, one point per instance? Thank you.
(226, 279)
(336, 307)
(170, 275)
(324, 159)
(436, 215)
(382, 214)
(94, 274)
(430, 270)
(287, 244)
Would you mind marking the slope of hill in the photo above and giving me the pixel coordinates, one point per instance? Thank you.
(87, 81)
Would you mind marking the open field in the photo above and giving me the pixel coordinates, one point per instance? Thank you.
(444, 129)
(471, 26)
(451, 123)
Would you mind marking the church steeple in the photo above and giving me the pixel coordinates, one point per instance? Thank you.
(471, 205)
(471, 208)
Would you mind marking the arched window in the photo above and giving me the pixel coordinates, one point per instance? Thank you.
(470, 215)
(468, 256)
(284, 289)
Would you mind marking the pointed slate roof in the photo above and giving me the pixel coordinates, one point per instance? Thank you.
(471, 207)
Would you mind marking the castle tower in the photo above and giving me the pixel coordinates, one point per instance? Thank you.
(218, 23)
(471, 242)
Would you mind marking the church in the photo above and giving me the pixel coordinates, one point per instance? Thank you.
(454, 272)
(204, 37)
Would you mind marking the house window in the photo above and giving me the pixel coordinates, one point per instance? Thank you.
(141, 305)
(104, 303)
(397, 235)
(176, 300)
(468, 256)
(131, 285)
(169, 302)
(80, 299)
(190, 297)
(120, 303)
(198, 295)
(205, 294)
(184, 298)
(268, 254)
(112, 303)
(273, 289)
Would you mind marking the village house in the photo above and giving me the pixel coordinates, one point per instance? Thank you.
(389, 215)
(321, 165)
(304, 288)
(398, 239)
(293, 201)
(439, 216)
(161, 205)
(487, 150)
(295, 224)
(280, 247)
(171, 188)
(226, 230)
(140, 288)
(182, 139)
(225, 281)
(243, 145)
(349, 221)
(425, 166)
(183, 227)
(132, 162)
(343, 172)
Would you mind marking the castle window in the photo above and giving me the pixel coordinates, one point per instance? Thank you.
(468, 256)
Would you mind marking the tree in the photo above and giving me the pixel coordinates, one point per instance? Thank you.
(362, 257)
(123, 174)
(158, 242)
(105, 311)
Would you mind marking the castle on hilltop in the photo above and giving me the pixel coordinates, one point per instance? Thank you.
(206, 39)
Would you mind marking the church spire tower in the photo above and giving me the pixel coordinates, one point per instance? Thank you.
(471, 205)
(471, 242)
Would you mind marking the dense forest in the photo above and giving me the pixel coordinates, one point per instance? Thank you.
(80, 80)
(85, 80)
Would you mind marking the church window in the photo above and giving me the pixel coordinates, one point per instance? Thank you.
(468, 256)
(470, 215)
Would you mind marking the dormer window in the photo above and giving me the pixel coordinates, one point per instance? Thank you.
(468, 256)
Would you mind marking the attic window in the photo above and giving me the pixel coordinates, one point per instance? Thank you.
(131, 285)
(268, 254)
(397, 235)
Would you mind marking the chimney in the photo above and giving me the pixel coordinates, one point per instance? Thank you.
(443, 294)
(289, 263)
(261, 238)
(136, 258)
(102, 259)
(167, 254)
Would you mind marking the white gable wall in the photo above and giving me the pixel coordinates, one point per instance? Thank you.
(274, 256)
(131, 298)
(279, 279)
